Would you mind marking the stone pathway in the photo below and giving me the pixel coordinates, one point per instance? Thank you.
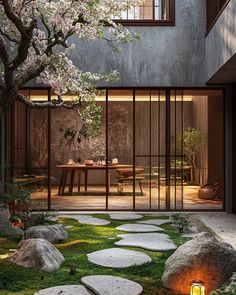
(118, 258)
(125, 216)
(222, 224)
(65, 290)
(148, 241)
(155, 221)
(139, 228)
(87, 219)
(111, 285)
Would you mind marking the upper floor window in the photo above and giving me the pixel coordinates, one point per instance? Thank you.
(151, 12)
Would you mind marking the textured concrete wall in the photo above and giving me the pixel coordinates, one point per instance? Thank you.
(221, 41)
(165, 56)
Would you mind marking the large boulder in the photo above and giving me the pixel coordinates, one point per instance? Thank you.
(53, 233)
(37, 253)
(6, 229)
(202, 258)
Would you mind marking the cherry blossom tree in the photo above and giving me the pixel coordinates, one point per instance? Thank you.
(35, 44)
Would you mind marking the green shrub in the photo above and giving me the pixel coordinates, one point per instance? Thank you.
(227, 290)
(181, 221)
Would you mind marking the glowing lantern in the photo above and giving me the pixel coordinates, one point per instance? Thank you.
(197, 288)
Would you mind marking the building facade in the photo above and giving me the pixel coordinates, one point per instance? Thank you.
(178, 77)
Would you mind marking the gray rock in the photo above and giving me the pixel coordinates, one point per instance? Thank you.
(111, 285)
(87, 219)
(6, 229)
(37, 253)
(190, 232)
(202, 258)
(53, 233)
(4, 211)
(118, 258)
(65, 290)
(148, 241)
(125, 216)
(139, 228)
(155, 221)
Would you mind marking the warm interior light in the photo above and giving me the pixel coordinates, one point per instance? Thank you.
(197, 288)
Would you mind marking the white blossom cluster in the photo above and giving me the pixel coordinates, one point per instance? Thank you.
(57, 21)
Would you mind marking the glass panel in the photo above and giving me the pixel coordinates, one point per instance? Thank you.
(82, 184)
(142, 183)
(31, 148)
(120, 149)
(158, 149)
(142, 122)
(196, 142)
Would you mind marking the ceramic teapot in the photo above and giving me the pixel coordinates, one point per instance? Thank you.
(209, 191)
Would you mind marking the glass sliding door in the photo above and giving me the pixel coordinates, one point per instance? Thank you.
(30, 157)
(158, 149)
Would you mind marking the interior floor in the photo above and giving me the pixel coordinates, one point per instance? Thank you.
(151, 199)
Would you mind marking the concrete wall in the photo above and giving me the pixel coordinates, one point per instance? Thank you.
(165, 56)
(221, 46)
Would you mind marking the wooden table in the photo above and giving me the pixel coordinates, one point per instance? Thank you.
(72, 168)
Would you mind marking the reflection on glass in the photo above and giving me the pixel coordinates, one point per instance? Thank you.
(156, 150)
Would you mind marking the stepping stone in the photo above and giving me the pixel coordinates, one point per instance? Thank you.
(148, 241)
(125, 216)
(111, 285)
(87, 219)
(155, 221)
(118, 258)
(65, 290)
(139, 228)
(68, 226)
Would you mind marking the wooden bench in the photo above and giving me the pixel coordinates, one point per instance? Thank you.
(130, 175)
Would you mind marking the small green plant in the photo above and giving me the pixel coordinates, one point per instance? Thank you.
(35, 218)
(16, 194)
(181, 221)
(227, 290)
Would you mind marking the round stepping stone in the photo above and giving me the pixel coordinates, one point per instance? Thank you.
(111, 285)
(155, 221)
(139, 228)
(65, 290)
(148, 241)
(118, 258)
(87, 219)
(125, 216)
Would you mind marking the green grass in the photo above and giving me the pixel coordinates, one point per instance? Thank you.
(84, 239)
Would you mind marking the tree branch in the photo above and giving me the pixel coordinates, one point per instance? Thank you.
(16, 20)
(29, 74)
(3, 51)
(54, 104)
(26, 33)
(9, 38)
